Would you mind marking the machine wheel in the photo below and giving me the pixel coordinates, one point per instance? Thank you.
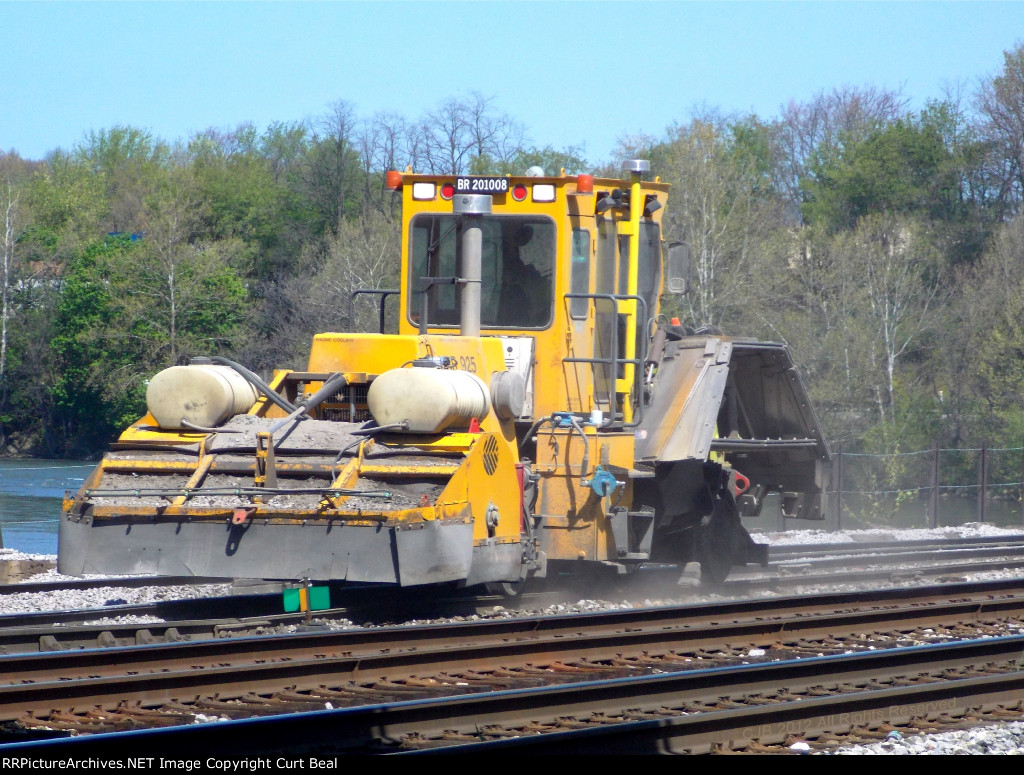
(719, 542)
(505, 588)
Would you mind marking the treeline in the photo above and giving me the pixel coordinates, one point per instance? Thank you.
(884, 245)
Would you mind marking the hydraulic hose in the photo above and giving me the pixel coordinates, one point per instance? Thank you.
(331, 386)
(529, 434)
(586, 448)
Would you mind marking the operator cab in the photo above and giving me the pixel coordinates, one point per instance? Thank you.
(569, 271)
(517, 279)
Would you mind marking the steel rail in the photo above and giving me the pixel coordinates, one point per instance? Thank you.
(781, 551)
(800, 575)
(129, 582)
(952, 555)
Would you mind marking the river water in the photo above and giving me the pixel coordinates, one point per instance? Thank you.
(30, 496)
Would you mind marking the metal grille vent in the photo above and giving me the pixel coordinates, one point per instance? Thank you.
(347, 405)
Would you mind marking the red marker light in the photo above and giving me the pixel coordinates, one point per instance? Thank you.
(584, 184)
(519, 192)
(447, 190)
(393, 180)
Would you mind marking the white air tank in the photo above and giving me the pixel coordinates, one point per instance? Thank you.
(202, 395)
(431, 400)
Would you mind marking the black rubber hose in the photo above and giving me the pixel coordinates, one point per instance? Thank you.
(533, 429)
(331, 386)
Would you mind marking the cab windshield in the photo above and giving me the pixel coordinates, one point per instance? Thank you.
(517, 269)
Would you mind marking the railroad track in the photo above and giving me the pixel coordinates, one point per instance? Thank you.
(252, 614)
(732, 708)
(173, 621)
(521, 665)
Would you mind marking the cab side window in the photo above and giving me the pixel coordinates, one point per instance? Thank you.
(579, 272)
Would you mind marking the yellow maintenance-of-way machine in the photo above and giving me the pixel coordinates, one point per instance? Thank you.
(534, 413)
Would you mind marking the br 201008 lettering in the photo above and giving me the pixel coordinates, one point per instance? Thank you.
(475, 185)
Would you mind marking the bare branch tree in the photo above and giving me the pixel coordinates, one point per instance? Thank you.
(446, 141)
(1001, 103)
(364, 254)
(9, 205)
(714, 209)
(334, 165)
(385, 143)
(890, 272)
(460, 132)
(494, 135)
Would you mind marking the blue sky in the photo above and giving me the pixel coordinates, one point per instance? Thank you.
(575, 73)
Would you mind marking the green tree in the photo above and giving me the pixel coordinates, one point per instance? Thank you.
(125, 159)
(965, 209)
(900, 169)
(67, 202)
(549, 159)
(719, 207)
(25, 286)
(98, 386)
(997, 293)
(186, 295)
(130, 307)
(10, 227)
(808, 134)
(869, 299)
(250, 190)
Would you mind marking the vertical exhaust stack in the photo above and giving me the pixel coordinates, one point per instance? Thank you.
(472, 206)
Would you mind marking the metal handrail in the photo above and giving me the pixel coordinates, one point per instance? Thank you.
(614, 361)
(426, 283)
(382, 292)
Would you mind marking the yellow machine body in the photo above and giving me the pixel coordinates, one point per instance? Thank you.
(593, 433)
